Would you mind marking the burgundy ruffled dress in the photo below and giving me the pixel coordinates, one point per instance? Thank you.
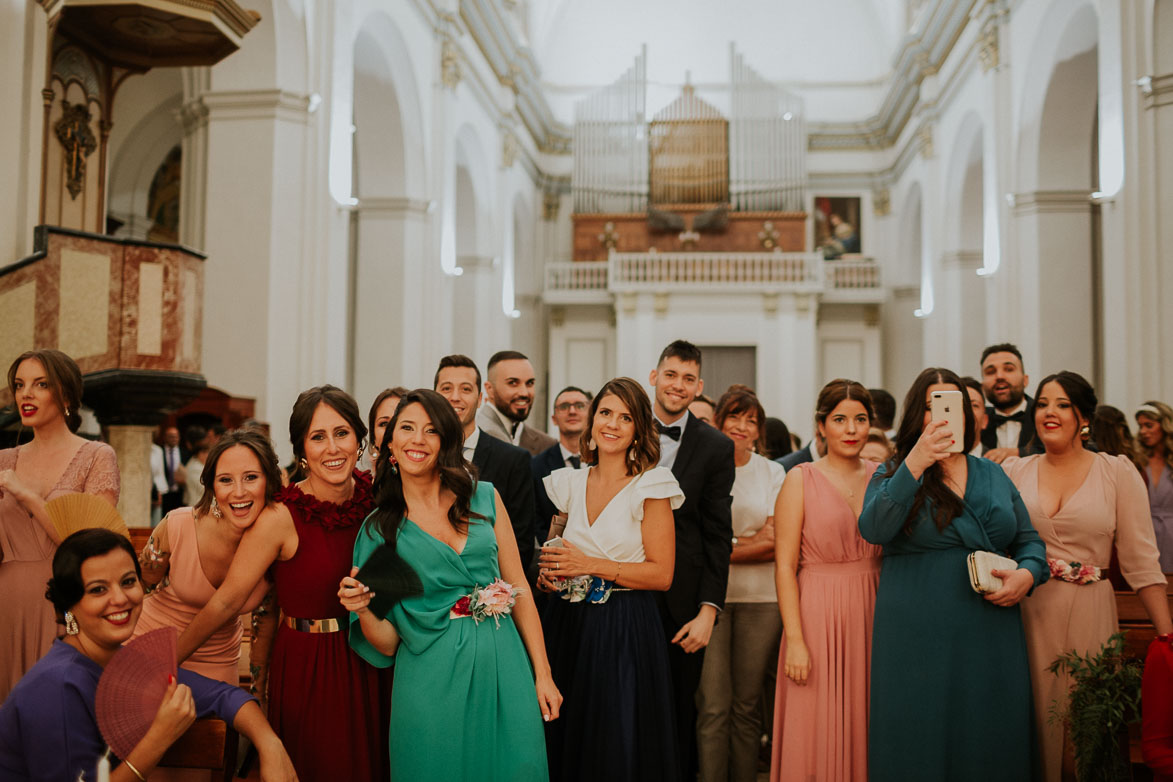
(330, 707)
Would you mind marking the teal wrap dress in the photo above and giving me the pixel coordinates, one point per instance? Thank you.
(463, 703)
(950, 685)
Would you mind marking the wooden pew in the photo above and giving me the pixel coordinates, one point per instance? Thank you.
(1138, 633)
(208, 744)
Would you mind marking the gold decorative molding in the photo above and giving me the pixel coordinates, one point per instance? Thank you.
(78, 142)
(551, 204)
(660, 304)
(988, 48)
(449, 65)
(924, 140)
(509, 149)
(881, 202)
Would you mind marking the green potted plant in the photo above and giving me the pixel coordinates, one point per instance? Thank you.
(1104, 700)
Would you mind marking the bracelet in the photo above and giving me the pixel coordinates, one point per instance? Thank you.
(618, 570)
(137, 773)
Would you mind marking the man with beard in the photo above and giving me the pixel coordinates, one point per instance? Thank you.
(505, 466)
(701, 458)
(1009, 430)
(510, 388)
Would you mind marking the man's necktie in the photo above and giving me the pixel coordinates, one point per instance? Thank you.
(671, 431)
(575, 461)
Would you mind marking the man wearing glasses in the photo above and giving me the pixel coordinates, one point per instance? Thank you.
(570, 416)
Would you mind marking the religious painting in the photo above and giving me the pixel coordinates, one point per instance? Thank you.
(836, 225)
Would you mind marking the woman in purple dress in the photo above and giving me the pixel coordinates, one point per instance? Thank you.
(48, 730)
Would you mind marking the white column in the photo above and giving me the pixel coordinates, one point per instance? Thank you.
(23, 51)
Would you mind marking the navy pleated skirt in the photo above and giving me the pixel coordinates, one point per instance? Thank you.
(610, 662)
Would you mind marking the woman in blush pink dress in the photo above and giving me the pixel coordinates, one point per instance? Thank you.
(1083, 504)
(826, 576)
(46, 389)
(191, 550)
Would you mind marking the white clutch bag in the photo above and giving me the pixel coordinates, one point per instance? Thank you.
(981, 563)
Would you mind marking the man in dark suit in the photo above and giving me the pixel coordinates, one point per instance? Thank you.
(701, 458)
(510, 391)
(814, 450)
(1009, 430)
(505, 466)
(570, 416)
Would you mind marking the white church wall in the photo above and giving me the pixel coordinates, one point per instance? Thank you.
(23, 50)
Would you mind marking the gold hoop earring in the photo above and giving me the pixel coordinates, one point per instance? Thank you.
(71, 627)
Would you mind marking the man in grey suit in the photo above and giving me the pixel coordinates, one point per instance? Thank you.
(505, 466)
(510, 391)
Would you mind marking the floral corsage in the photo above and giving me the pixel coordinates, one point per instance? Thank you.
(1074, 572)
(487, 602)
(586, 587)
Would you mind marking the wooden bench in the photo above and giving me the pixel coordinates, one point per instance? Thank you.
(1138, 633)
(208, 744)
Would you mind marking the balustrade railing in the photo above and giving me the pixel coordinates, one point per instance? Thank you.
(698, 271)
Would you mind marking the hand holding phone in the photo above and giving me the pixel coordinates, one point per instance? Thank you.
(947, 406)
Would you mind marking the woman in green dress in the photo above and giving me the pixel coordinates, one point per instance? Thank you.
(950, 685)
(467, 702)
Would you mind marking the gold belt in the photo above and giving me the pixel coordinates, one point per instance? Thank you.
(313, 625)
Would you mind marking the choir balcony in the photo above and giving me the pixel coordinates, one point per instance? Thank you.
(852, 279)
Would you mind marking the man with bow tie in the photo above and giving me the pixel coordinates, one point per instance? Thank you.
(1009, 430)
(701, 458)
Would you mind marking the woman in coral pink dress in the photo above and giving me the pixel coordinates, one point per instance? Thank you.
(191, 550)
(826, 575)
(46, 388)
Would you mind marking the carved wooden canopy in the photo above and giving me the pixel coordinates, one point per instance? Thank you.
(154, 33)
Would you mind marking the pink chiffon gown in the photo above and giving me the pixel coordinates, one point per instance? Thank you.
(821, 728)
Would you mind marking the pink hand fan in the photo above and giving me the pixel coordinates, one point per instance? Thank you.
(132, 687)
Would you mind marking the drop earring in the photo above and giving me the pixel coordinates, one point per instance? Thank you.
(303, 464)
(1085, 433)
(591, 444)
(216, 512)
(394, 466)
(71, 627)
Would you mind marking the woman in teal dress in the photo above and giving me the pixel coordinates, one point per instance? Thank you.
(467, 702)
(950, 685)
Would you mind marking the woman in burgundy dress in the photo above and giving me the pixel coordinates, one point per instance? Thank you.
(330, 708)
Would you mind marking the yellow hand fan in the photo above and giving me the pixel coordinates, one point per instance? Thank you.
(72, 512)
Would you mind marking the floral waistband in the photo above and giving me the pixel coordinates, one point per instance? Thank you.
(487, 602)
(1075, 572)
(592, 589)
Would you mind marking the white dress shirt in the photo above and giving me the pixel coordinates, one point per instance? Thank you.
(507, 424)
(470, 444)
(1009, 431)
(566, 454)
(668, 446)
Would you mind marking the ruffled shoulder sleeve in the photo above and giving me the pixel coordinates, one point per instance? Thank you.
(558, 487)
(657, 483)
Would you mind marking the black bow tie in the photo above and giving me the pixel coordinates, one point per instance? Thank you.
(575, 461)
(670, 431)
(1000, 419)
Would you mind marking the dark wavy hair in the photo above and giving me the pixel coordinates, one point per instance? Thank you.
(1078, 390)
(303, 414)
(739, 399)
(398, 391)
(456, 475)
(64, 378)
(1112, 435)
(837, 391)
(646, 442)
(66, 588)
(946, 505)
(256, 442)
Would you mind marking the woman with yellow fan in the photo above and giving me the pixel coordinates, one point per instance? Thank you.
(46, 388)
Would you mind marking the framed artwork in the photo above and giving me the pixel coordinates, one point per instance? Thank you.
(836, 226)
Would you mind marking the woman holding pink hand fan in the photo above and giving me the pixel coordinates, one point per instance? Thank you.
(48, 729)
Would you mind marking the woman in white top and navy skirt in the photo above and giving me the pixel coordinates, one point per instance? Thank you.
(604, 637)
